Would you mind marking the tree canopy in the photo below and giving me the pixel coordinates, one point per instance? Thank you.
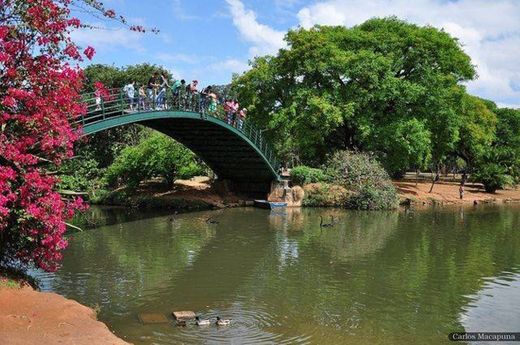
(117, 77)
(386, 86)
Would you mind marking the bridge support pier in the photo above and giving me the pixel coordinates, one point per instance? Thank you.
(281, 192)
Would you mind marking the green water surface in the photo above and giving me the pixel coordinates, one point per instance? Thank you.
(403, 277)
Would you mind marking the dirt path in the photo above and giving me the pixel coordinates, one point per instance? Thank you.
(448, 193)
(29, 317)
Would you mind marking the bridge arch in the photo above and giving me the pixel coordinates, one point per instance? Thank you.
(236, 154)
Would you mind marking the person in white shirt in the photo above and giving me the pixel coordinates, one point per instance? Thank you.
(129, 90)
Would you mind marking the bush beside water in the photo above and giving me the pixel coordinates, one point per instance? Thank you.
(302, 175)
(324, 195)
(357, 181)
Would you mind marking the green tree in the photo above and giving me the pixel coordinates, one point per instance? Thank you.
(507, 140)
(499, 164)
(404, 144)
(364, 88)
(116, 77)
(477, 130)
(156, 156)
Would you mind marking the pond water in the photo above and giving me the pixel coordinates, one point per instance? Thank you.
(404, 277)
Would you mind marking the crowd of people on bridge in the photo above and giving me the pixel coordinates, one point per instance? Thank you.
(159, 93)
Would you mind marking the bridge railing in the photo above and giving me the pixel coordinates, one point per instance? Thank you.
(116, 103)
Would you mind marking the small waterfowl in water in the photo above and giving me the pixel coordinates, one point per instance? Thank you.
(222, 322)
(172, 217)
(200, 322)
(211, 221)
(181, 323)
(326, 225)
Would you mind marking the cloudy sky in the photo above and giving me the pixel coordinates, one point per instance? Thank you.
(209, 40)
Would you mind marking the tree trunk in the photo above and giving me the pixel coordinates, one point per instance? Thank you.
(435, 179)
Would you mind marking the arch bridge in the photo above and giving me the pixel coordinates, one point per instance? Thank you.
(235, 150)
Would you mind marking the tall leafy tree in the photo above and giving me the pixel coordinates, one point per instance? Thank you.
(477, 130)
(499, 164)
(366, 88)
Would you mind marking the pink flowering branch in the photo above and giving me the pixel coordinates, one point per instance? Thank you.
(40, 84)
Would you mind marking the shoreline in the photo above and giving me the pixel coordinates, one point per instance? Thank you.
(446, 193)
(28, 316)
(198, 194)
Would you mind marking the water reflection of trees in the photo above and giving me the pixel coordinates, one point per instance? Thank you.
(402, 274)
(397, 277)
(115, 266)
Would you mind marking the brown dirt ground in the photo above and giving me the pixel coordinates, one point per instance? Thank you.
(448, 193)
(198, 188)
(29, 317)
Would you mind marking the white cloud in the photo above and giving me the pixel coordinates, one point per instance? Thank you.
(107, 39)
(178, 57)
(489, 31)
(264, 39)
(180, 13)
(229, 66)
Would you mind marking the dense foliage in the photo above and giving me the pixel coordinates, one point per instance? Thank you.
(156, 156)
(349, 179)
(325, 195)
(302, 175)
(39, 97)
(366, 180)
(40, 85)
(385, 86)
(365, 87)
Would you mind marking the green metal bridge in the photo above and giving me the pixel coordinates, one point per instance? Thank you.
(235, 150)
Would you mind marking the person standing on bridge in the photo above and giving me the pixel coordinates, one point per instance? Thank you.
(175, 87)
(235, 107)
(192, 88)
(212, 107)
(192, 92)
(151, 87)
(142, 98)
(204, 96)
(228, 109)
(161, 97)
(241, 118)
(129, 90)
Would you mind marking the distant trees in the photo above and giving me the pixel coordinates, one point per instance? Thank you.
(117, 77)
(499, 162)
(385, 86)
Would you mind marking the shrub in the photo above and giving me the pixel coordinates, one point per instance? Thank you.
(370, 197)
(81, 175)
(492, 176)
(156, 156)
(324, 195)
(302, 175)
(365, 178)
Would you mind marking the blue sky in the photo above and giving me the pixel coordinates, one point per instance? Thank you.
(209, 40)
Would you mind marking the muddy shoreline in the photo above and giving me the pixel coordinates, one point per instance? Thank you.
(31, 317)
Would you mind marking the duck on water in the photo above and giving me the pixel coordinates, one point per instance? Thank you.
(222, 322)
(326, 225)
